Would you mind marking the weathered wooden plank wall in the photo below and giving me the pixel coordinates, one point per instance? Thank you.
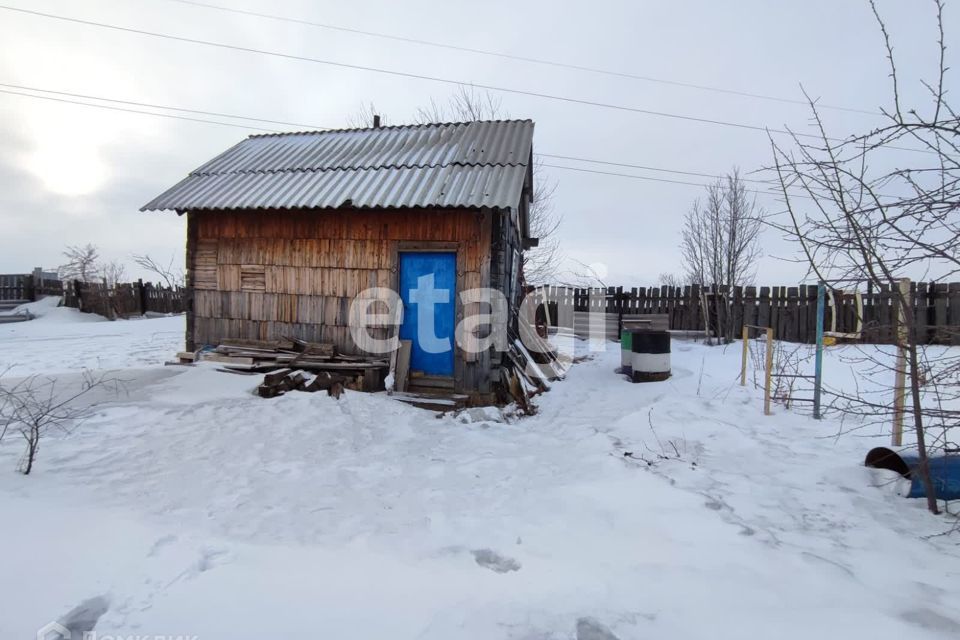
(265, 275)
(791, 311)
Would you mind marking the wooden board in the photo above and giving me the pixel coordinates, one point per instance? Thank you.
(403, 365)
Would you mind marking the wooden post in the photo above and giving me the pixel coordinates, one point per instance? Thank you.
(190, 337)
(768, 372)
(900, 381)
(619, 297)
(29, 288)
(78, 292)
(743, 358)
(141, 297)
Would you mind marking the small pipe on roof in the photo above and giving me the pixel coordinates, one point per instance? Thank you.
(376, 121)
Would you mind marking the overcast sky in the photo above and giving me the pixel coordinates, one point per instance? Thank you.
(73, 174)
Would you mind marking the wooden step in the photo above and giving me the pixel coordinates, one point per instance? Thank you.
(432, 401)
(440, 383)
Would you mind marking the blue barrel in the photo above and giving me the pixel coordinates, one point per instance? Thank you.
(944, 471)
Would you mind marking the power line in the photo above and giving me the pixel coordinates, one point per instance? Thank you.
(309, 126)
(230, 124)
(416, 76)
(625, 175)
(771, 192)
(646, 168)
(159, 106)
(508, 56)
(652, 179)
(148, 113)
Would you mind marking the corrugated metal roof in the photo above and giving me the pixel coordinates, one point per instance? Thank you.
(468, 164)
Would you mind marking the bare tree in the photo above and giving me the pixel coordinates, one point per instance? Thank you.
(82, 263)
(542, 263)
(583, 276)
(670, 279)
(172, 276)
(857, 220)
(465, 105)
(720, 244)
(36, 406)
(364, 116)
(113, 272)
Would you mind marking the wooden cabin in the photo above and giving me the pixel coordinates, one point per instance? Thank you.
(285, 230)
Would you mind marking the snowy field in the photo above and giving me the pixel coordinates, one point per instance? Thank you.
(187, 506)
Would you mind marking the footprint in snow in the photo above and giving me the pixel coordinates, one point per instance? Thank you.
(80, 620)
(160, 544)
(209, 558)
(489, 559)
(592, 629)
(931, 620)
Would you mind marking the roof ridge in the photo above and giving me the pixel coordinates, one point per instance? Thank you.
(281, 134)
(375, 167)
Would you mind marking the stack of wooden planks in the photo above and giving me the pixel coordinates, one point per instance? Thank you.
(529, 371)
(293, 355)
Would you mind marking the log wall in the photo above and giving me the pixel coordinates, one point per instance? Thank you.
(267, 274)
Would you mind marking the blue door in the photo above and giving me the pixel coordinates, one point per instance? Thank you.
(428, 289)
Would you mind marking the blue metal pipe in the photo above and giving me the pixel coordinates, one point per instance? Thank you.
(944, 471)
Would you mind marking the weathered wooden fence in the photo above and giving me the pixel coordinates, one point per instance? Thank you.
(27, 287)
(123, 300)
(790, 311)
(112, 301)
(14, 287)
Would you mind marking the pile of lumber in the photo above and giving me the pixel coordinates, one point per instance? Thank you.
(293, 356)
(279, 382)
(529, 371)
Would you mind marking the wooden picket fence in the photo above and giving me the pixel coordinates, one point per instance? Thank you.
(790, 311)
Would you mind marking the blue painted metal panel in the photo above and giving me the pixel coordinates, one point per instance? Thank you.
(428, 289)
(944, 473)
(818, 370)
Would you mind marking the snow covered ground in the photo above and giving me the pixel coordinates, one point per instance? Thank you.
(63, 339)
(187, 506)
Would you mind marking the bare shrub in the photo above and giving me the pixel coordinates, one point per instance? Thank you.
(37, 405)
